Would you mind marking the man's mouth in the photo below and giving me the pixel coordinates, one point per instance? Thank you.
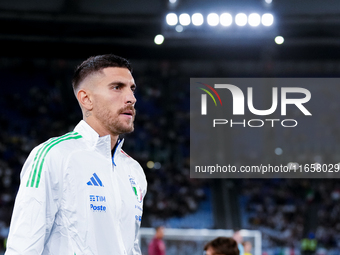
(128, 113)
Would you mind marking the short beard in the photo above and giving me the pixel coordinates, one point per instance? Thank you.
(112, 123)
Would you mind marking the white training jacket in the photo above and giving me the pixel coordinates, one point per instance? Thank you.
(76, 199)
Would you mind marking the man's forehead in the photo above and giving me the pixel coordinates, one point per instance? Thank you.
(110, 74)
(119, 71)
(116, 74)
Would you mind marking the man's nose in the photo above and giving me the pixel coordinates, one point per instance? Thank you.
(130, 98)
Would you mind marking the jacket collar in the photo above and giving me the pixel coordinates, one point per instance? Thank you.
(102, 144)
(87, 132)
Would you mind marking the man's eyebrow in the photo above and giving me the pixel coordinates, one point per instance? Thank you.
(119, 83)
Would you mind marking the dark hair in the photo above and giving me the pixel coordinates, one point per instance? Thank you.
(96, 64)
(223, 245)
(159, 227)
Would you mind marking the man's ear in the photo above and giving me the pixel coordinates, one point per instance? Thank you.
(84, 99)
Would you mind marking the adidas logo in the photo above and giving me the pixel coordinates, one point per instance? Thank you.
(94, 180)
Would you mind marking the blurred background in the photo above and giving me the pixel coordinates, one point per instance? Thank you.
(42, 42)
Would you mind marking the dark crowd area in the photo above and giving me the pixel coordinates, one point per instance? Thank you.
(289, 211)
(37, 103)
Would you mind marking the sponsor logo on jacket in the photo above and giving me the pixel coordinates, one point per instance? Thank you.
(95, 181)
(95, 207)
(98, 208)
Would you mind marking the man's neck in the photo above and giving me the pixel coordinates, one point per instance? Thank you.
(102, 131)
(114, 149)
(114, 142)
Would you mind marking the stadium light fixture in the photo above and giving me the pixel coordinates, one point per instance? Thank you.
(278, 151)
(197, 19)
(150, 164)
(179, 28)
(159, 39)
(254, 19)
(279, 40)
(157, 165)
(174, 1)
(171, 19)
(268, 1)
(241, 19)
(184, 19)
(226, 19)
(267, 19)
(213, 19)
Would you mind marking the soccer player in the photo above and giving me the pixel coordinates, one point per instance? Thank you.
(239, 239)
(221, 246)
(157, 245)
(80, 193)
(247, 247)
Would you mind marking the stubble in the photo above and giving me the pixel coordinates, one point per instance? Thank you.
(113, 122)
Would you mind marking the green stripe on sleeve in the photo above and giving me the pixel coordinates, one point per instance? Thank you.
(35, 161)
(38, 155)
(41, 154)
(40, 166)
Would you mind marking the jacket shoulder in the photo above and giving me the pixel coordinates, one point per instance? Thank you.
(48, 155)
(132, 161)
(65, 143)
(136, 168)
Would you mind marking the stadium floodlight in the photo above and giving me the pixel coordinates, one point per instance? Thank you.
(226, 19)
(254, 19)
(279, 39)
(157, 165)
(278, 151)
(179, 28)
(267, 19)
(213, 19)
(150, 164)
(171, 19)
(184, 19)
(159, 39)
(197, 19)
(241, 19)
(174, 1)
(268, 1)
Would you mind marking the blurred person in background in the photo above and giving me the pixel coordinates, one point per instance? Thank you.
(157, 245)
(247, 247)
(309, 245)
(221, 246)
(80, 193)
(239, 239)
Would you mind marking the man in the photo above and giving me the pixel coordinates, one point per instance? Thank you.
(239, 239)
(221, 246)
(80, 193)
(247, 247)
(157, 245)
